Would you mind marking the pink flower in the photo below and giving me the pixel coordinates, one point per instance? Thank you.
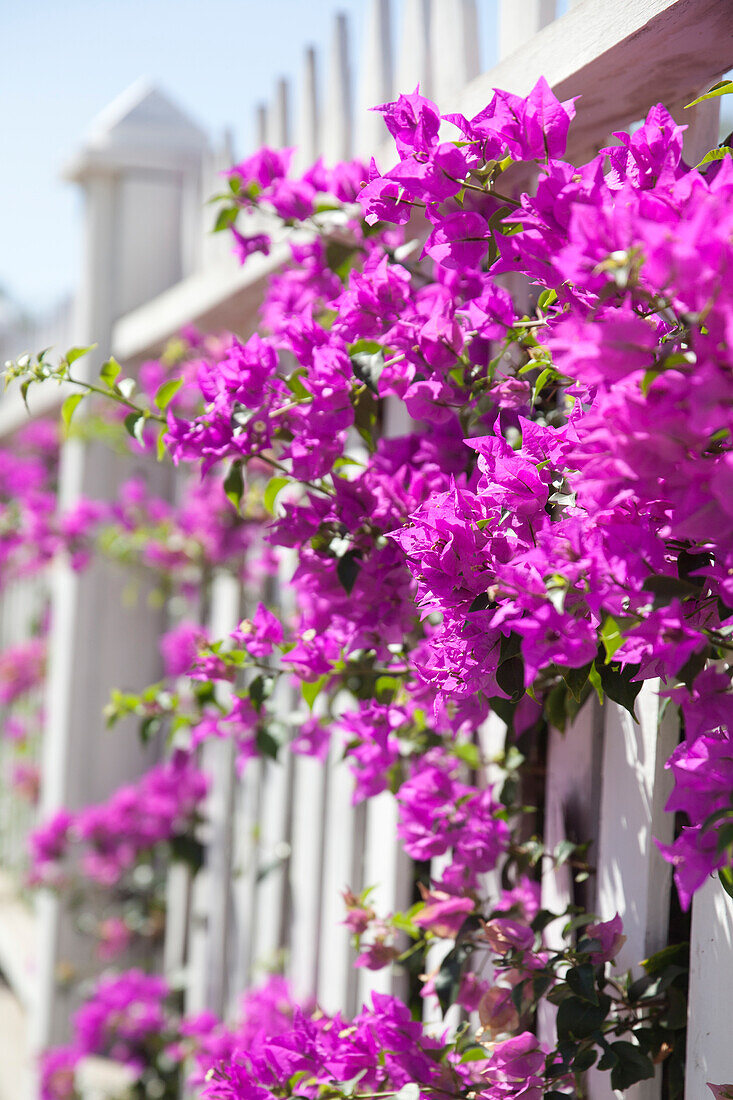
(611, 937)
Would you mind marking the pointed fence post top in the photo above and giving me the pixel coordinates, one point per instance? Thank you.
(142, 126)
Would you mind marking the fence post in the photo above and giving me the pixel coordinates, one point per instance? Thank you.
(307, 135)
(376, 84)
(453, 24)
(710, 1009)
(141, 158)
(414, 63)
(337, 112)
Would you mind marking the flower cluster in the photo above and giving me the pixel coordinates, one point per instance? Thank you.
(107, 839)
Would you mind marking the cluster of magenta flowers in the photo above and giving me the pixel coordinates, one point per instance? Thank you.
(102, 842)
(486, 502)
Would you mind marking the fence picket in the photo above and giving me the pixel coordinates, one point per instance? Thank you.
(414, 62)
(710, 1008)
(377, 76)
(337, 113)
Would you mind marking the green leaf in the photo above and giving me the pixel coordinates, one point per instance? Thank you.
(616, 683)
(595, 681)
(69, 407)
(582, 1061)
(718, 153)
(109, 373)
(563, 851)
(273, 488)
(295, 384)
(723, 87)
(165, 393)
(234, 483)
(187, 849)
(577, 1019)
(448, 979)
(677, 954)
(348, 569)
(546, 299)
(725, 838)
(632, 1065)
(410, 1091)
(582, 981)
(160, 447)
(469, 754)
(510, 673)
(666, 588)
(611, 636)
(225, 218)
(311, 689)
(267, 745)
(76, 353)
(135, 424)
(576, 679)
(260, 689)
(341, 258)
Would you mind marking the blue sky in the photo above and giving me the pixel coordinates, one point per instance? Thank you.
(64, 61)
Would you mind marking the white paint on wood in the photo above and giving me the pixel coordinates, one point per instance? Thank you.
(244, 874)
(709, 1047)
(306, 874)
(278, 117)
(307, 134)
(414, 60)
(335, 974)
(376, 83)
(519, 20)
(389, 871)
(633, 878)
(455, 50)
(337, 112)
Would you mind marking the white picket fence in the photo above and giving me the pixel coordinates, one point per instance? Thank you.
(283, 841)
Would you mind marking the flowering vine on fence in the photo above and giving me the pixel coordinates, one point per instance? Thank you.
(494, 502)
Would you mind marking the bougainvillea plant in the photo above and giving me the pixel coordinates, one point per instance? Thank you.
(490, 408)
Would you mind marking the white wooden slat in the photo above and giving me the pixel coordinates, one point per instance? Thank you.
(414, 62)
(335, 970)
(306, 874)
(389, 871)
(211, 899)
(376, 84)
(177, 902)
(273, 856)
(307, 134)
(572, 796)
(261, 124)
(633, 878)
(709, 1047)
(248, 797)
(455, 50)
(278, 116)
(337, 113)
(518, 21)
